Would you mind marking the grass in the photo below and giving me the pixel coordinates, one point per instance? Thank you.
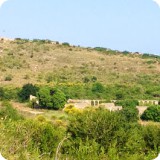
(51, 115)
(29, 113)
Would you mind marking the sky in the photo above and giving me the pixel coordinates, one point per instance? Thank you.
(132, 25)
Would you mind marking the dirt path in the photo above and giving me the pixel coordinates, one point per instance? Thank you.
(21, 107)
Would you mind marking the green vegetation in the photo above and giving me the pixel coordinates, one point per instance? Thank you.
(130, 114)
(90, 134)
(51, 98)
(54, 73)
(9, 93)
(127, 103)
(152, 114)
(65, 44)
(99, 133)
(7, 113)
(128, 94)
(8, 78)
(28, 139)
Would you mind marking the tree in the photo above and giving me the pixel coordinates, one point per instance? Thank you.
(26, 91)
(97, 88)
(51, 98)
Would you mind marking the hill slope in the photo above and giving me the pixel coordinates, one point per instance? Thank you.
(23, 61)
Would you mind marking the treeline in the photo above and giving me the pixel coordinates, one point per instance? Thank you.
(95, 90)
(91, 134)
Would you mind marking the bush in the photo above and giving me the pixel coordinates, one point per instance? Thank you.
(86, 80)
(94, 79)
(109, 133)
(130, 114)
(8, 93)
(8, 78)
(41, 118)
(151, 136)
(127, 103)
(30, 139)
(71, 109)
(65, 44)
(86, 150)
(152, 113)
(7, 112)
(51, 98)
(97, 88)
(98, 124)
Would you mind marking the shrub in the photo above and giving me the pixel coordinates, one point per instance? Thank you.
(152, 113)
(109, 131)
(96, 124)
(130, 114)
(97, 87)
(86, 80)
(127, 103)
(41, 118)
(66, 44)
(86, 150)
(30, 139)
(8, 93)
(94, 79)
(71, 109)
(8, 78)
(7, 112)
(125, 52)
(151, 136)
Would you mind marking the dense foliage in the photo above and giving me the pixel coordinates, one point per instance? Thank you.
(99, 133)
(130, 114)
(8, 93)
(91, 134)
(152, 113)
(23, 139)
(51, 98)
(9, 113)
(92, 90)
(98, 90)
(127, 103)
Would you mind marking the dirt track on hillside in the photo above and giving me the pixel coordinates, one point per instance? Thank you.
(21, 107)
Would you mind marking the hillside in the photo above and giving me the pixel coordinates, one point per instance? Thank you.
(23, 61)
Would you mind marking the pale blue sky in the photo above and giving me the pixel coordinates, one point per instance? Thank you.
(132, 25)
